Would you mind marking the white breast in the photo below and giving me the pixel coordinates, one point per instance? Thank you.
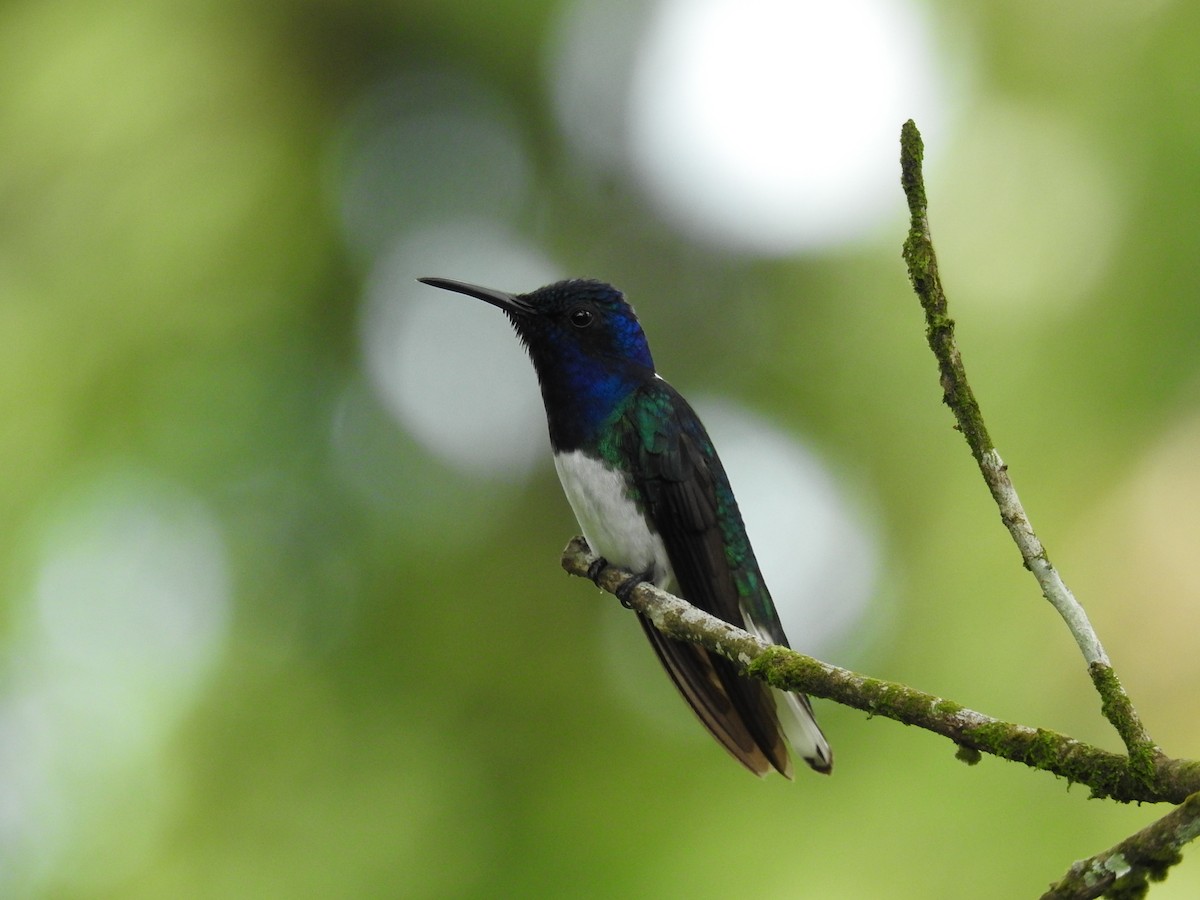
(611, 522)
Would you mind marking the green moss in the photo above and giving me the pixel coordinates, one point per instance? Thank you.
(1130, 887)
(782, 669)
(947, 708)
(990, 738)
(912, 153)
(969, 755)
(1107, 775)
(1115, 705)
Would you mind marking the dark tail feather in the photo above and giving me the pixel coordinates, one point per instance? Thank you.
(739, 712)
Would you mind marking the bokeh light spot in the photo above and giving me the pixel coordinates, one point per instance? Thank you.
(771, 125)
(425, 146)
(449, 367)
(128, 614)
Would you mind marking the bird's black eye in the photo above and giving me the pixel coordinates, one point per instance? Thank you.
(581, 317)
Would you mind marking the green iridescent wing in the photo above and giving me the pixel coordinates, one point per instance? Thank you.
(684, 489)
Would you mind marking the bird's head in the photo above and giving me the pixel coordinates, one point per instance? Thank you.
(570, 325)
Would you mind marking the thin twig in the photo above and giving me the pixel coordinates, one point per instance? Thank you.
(1107, 774)
(1139, 859)
(957, 394)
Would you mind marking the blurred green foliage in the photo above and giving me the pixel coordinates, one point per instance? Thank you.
(411, 700)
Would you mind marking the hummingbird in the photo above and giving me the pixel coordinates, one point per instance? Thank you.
(651, 496)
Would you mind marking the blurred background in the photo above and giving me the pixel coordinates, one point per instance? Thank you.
(282, 614)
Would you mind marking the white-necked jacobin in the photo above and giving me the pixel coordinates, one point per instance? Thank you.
(651, 496)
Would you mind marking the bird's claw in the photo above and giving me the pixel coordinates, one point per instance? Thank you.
(625, 590)
(599, 564)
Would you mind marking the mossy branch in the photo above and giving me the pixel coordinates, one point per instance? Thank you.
(1126, 870)
(1107, 774)
(957, 394)
(1139, 859)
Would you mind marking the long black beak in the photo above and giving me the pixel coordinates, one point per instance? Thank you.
(507, 302)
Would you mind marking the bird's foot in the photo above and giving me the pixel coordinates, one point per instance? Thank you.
(599, 564)
(625, 590)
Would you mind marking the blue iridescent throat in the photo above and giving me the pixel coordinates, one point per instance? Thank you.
(584, 395)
